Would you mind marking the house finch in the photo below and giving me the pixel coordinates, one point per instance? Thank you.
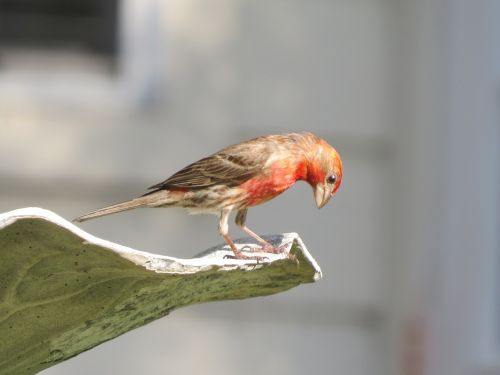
(242, 176)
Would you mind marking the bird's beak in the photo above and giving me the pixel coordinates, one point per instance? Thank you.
(321, 194)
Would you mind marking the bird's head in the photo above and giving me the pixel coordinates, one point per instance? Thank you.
(324, 172)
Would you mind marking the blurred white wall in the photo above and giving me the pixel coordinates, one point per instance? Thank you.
(399, 88)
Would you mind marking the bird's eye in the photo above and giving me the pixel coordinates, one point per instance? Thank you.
(331, 179)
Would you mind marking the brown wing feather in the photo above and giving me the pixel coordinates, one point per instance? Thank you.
(230, 166)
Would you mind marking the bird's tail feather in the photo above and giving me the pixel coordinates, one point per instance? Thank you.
(123, 206)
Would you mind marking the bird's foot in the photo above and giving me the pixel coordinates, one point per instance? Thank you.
(265, 248)
(280, 249)
(268, 248)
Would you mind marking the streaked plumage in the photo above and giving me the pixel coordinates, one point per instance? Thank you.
(244, 175)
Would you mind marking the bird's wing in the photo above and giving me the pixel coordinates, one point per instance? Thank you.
(231, 167)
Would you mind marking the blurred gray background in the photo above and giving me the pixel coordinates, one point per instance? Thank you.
(101, 99)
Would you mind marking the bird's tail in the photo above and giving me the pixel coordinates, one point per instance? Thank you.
(124, 206)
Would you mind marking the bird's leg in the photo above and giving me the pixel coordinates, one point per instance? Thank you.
(224, 232)
(266, 246)
(240, 222)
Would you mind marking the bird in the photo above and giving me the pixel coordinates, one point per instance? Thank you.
(241, 176)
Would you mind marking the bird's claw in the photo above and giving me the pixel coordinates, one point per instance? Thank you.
(266, 248)
(280, 249)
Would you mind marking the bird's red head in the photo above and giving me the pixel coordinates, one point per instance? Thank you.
(324, 171)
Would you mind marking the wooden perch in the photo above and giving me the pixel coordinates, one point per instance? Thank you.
(64, 291)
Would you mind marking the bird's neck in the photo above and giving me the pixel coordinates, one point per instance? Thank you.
(309, 171)
(307, 166)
